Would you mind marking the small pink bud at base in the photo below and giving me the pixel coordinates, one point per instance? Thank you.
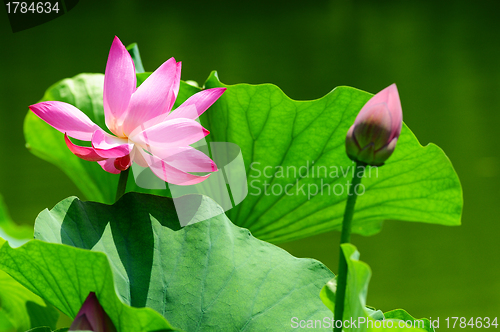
(373, 136)
(92, 317)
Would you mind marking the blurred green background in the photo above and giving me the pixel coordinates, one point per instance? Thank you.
(444, 57)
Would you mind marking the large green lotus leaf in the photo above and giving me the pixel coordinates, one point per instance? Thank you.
(400, 314)
(20, 309)
(85, 92)
(207, 276)
(64, 276)
(300, 146)
(355, 309)
(133, 50)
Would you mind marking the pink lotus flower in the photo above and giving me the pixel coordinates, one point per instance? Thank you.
(146, 130)
(92, 317)
(373, 136)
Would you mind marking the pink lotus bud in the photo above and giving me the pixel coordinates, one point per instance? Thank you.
(92, 317)
(375, 132)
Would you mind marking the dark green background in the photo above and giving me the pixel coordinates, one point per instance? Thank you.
(444, 57)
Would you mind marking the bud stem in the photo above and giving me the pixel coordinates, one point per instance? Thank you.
(122, 184)
(345, 237)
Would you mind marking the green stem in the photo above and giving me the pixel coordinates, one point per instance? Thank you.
(122, 184)
(345, 237)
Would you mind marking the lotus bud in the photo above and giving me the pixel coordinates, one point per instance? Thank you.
(373, 136)
(92, 317)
